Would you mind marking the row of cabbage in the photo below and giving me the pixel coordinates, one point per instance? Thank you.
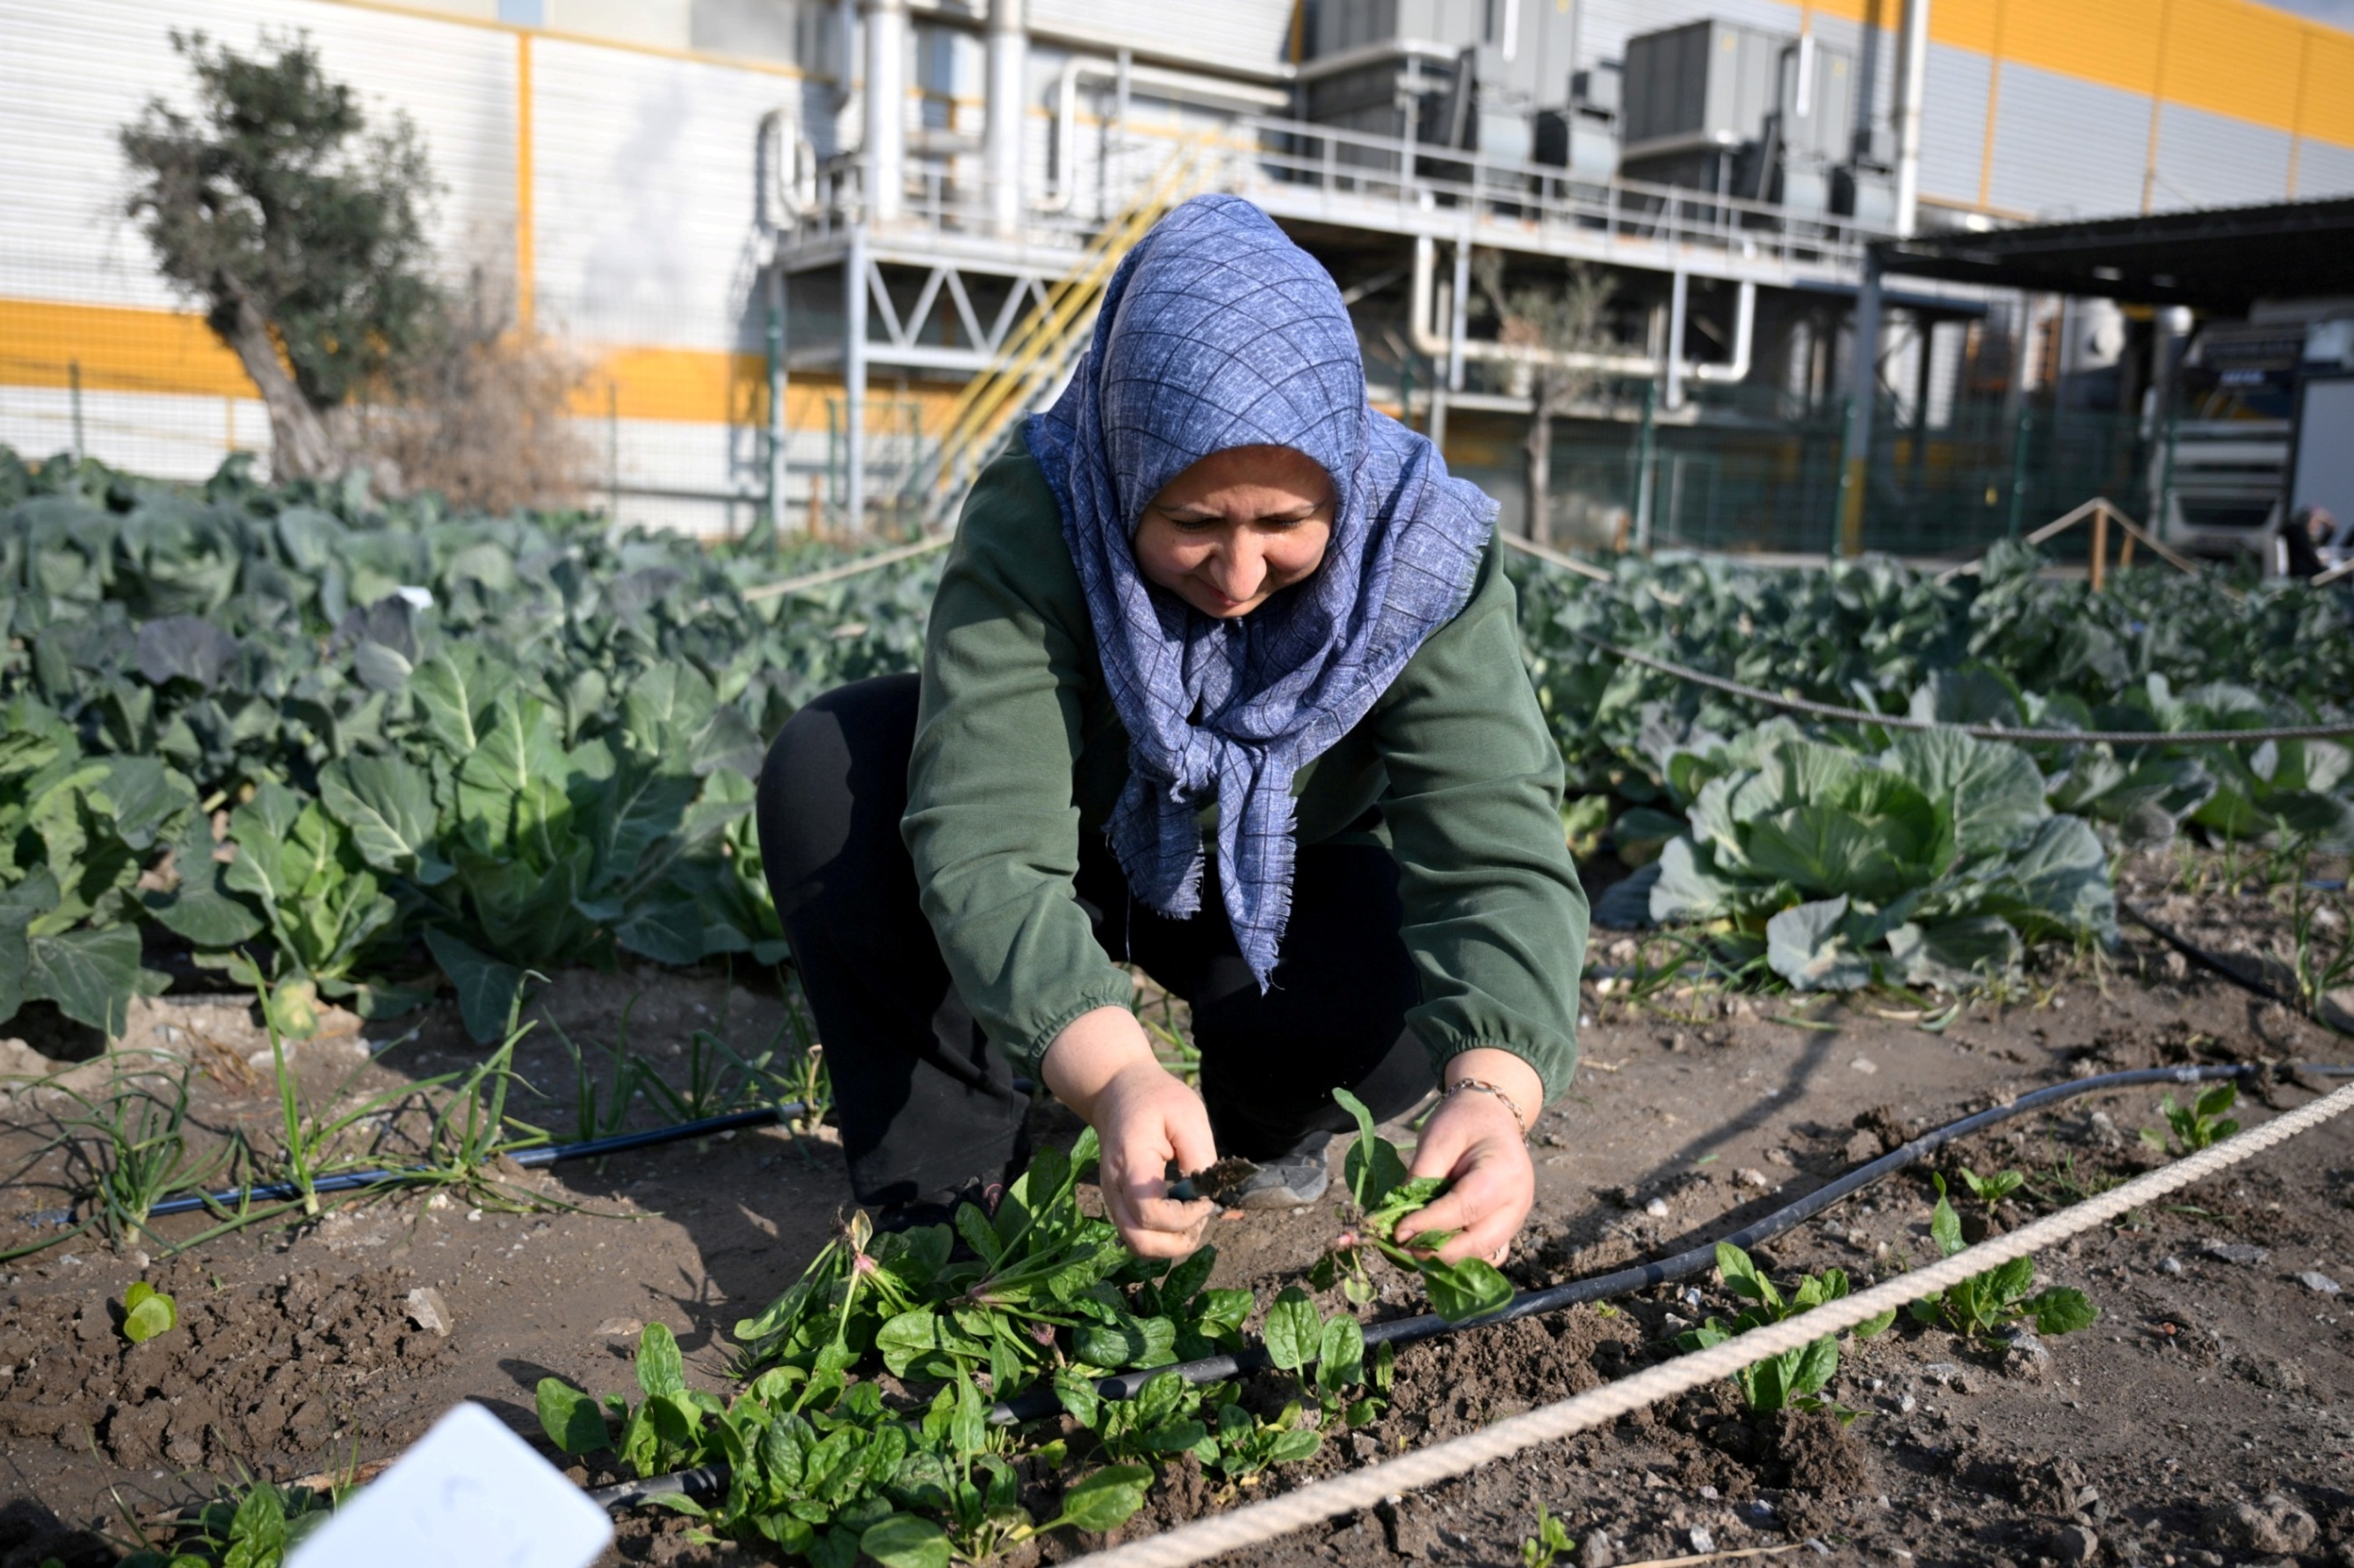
(360, 749)
(1842, 854)
(367, 750)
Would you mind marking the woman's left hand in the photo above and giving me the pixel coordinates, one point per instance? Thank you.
(1474, 1140)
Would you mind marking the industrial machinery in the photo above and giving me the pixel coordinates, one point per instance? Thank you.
(1710, 105)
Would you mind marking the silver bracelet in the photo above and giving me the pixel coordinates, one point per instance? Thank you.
(1485, 1087)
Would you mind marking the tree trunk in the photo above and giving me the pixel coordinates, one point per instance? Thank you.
(1540, 472)
(301, 446)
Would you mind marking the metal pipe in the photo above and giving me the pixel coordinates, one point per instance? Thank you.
(1678, 298)
(1009, 70)
(845, 22)
(1062, 169)
(1911, 87)
(854, 384)
(1429, 340)
(885, 150)
(788, 164)
(1120, 88)
(1459, 318)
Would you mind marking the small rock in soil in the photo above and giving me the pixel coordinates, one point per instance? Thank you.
(2074, 1543)
(1595, 1551)
(620, 1328)
(2169, 1266)
(428, 1312)
(1411, 1532)
(2024, 1356)
(1702, 1540)
(2104, 1132)
(2272, 1525)
(2238, 1252)
(2320, 1284)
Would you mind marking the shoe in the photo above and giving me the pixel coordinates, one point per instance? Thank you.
(1296, 1176)
(939, 1207)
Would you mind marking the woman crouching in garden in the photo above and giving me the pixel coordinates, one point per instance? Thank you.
(1224, 681)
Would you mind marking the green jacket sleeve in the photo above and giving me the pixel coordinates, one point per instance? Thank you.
(991, 822)
(1495, 916)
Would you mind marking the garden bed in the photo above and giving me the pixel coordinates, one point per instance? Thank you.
(2215, 1377)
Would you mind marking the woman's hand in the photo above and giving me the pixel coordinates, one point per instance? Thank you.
(1102, 1066)
(1474, 1140)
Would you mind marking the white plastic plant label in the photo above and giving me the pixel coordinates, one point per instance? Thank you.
(471, 1494)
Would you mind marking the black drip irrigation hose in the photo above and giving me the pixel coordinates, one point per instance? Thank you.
(1040, 1402)
(531, 1159)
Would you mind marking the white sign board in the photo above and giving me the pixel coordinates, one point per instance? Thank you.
(471, 1494)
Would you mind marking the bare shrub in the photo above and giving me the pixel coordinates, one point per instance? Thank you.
(482, 413)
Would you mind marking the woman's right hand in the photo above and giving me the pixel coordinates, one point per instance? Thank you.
(1102, 1066)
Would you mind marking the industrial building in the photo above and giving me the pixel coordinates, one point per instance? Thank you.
(816, 255)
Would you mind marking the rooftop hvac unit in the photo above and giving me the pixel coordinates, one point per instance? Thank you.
(1736, 110)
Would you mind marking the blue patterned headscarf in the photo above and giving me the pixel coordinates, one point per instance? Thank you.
(1217, 332)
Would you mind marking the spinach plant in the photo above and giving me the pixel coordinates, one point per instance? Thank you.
(1793, 1380)
(1382, 1190)
(1985, 1303)
(2198, 1125)
(821, 1469)
(1328, 1357)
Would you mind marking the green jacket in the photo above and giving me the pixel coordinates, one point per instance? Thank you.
(1019, 751)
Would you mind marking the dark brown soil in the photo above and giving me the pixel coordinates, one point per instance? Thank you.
(2206, 1418)
(269, 1376)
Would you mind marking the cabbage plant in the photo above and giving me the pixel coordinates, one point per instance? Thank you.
(1930, 863)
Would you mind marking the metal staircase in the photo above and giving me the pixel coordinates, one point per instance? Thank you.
(1037, 355)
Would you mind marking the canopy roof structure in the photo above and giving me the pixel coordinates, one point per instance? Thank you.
(2220, 259)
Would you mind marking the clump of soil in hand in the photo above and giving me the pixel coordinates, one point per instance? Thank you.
(260, 1375)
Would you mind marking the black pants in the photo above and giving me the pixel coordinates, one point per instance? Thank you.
(925, 1105)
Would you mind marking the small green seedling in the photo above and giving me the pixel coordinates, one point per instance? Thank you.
(1378, 1181)
(1550, 1544)
(147, 1312)
(1793, 1380)
(1985, 1303)
(2199, 1124)
(1992, 1190)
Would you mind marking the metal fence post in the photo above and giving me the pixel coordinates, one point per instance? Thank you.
(1646, 438)
(1855, 457)
(2018, 442)
(73, 372)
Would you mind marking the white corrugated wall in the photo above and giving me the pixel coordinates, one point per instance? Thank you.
(2324, 169)
(2064, 148)
(1953, 128)
(1240, 34)
(2207, 159)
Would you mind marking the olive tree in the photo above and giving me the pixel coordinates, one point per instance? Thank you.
(299, 229)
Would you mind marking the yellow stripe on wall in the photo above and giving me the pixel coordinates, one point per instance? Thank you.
(2329, 87)
(118, 350)
(2235, 59)
(2231, 58)
(172, 354)
(2113, 42)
